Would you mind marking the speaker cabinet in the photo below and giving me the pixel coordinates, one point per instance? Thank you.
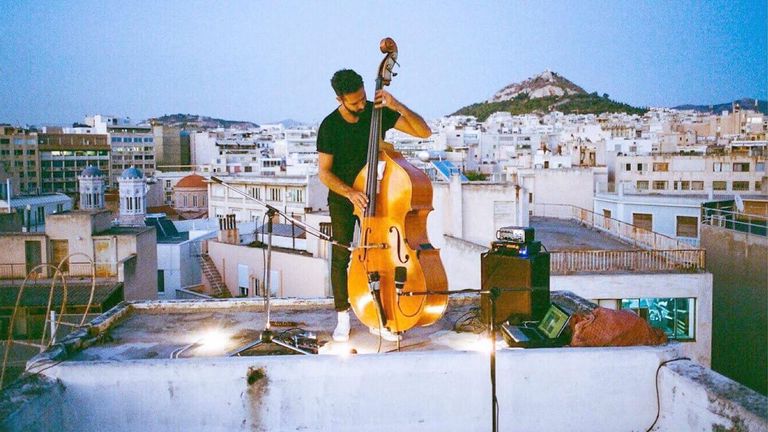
(524, 282)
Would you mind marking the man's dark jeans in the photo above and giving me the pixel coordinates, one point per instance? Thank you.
(343, 226)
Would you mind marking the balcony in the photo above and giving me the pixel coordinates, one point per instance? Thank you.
(581, 241)
(14, 273)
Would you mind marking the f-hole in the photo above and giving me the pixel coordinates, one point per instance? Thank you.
(399, 245)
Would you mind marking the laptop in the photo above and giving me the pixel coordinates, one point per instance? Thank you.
(546, 334)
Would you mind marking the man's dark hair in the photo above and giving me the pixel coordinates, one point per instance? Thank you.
(346, 81)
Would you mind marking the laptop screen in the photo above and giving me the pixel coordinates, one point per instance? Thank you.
(554, 321)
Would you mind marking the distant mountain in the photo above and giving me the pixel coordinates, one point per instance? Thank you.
(547, 91)
(744, 103)
(290, 123)
(192, 121)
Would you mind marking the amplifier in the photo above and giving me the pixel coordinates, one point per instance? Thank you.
(515, 234)
(524, 284)
(515, 249)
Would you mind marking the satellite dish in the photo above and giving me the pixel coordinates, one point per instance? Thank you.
(739, 203)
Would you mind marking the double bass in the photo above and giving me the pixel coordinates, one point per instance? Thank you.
(394, 256)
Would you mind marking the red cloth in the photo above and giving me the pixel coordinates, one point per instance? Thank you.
(607, 327)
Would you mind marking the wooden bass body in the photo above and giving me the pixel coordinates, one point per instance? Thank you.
(396, 236)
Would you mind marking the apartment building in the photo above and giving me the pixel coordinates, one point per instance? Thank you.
(131, 146)
(63, 156)
(19, 156)
(293, 195)
(681, 174)
(171, 145)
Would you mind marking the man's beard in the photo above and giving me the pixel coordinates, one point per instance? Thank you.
(353, 112)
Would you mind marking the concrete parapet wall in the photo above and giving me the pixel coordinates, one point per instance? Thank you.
(694, 398)
(548, 389)
(638, 285)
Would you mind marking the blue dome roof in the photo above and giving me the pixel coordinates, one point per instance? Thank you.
(132, 172)
(91, 171)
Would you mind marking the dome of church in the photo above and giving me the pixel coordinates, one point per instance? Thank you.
(131, 172)
(91, 171)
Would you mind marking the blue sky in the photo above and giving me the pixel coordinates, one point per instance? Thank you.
(268, 61)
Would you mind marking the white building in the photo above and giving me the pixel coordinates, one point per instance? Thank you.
(293, 195)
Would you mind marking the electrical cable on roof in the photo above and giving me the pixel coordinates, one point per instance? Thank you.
(658, 401)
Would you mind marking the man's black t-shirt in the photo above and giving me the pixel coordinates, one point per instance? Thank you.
(348, 142)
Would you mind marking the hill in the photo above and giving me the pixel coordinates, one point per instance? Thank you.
(192, 121)
(543, 93)
(744, 103)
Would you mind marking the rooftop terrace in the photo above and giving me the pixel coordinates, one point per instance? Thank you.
(153, 366)
(568, 234)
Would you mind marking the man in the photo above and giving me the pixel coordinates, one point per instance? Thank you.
(342, 143)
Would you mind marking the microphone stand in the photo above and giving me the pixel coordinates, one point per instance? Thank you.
(267, 335)
(494, 293)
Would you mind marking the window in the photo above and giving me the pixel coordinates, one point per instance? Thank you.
(758, 186)
(167, 184)
(697, 185)
(117, 139)
(161, 281)
(719, 185)
(661, 166)
(682, 185)
(659, 185)
(740, 186)
(628, 167)
(275, 194)
(721, 167)
(295, 195)
(642, 185)
(255, 192)
(643, 220)
(741, 167)
(676, 316)
(639, 167)
(760, 167)
(687, 226)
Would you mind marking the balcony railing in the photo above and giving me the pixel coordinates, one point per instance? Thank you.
(724, 214)
(646, 261)
(656, 252)
(16, 272)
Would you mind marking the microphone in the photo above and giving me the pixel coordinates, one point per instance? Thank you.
(401, 274)
(373, 287)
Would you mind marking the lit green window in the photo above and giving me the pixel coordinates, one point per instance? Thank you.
(676, 316)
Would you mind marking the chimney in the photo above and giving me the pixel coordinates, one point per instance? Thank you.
(228, 230)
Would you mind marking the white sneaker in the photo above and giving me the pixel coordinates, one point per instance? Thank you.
(385, 334)
(341, 333)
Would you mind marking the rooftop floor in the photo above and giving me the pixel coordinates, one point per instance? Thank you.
(218, 327)
(567, 234)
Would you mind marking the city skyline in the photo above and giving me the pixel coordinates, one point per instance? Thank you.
(269, 61)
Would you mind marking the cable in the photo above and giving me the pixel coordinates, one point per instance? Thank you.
(658, 398)
(470, 321)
